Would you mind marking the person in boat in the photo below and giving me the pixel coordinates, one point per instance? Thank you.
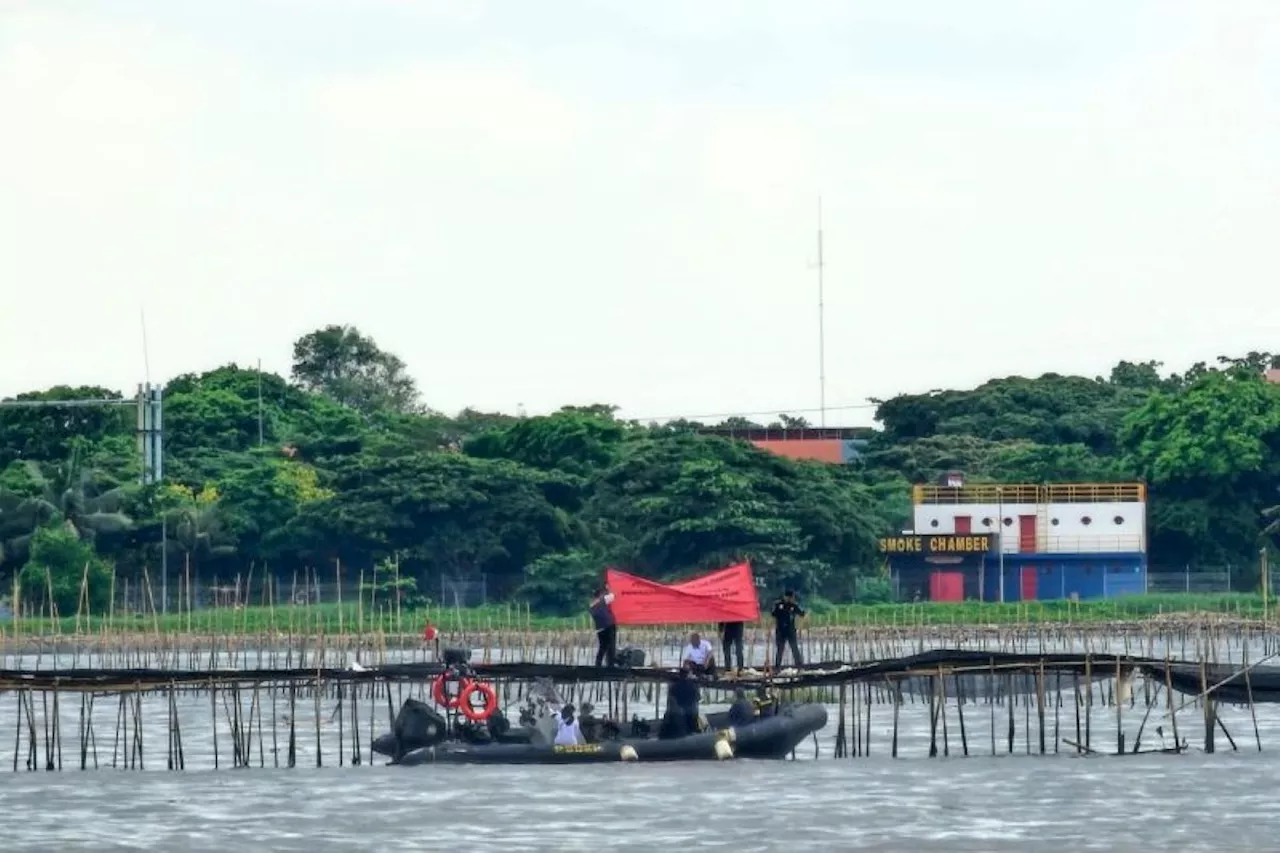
(742, 712)
(568, 731)
(786, 613)
(698, 657)
(731, 634)
(686, 695)
(606, 627)
(766, 705)
(673, 725)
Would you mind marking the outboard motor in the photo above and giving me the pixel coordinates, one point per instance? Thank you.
(417, 726)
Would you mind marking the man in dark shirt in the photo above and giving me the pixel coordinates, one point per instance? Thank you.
(606, 627)
(731, 634)
(686, 695)
(786, 610)
(741, 712)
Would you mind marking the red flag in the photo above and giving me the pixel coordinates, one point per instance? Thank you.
(727, 595)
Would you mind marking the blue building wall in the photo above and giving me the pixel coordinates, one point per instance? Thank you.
(1057, 576)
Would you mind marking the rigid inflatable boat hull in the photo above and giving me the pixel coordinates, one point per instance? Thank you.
(772, 737)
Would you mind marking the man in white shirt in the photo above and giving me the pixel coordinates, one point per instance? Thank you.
(698, 656)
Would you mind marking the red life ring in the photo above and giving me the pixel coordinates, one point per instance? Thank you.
(469, 710)
(442, 697)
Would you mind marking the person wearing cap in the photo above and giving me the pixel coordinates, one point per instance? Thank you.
(606, 627)
(786, 612)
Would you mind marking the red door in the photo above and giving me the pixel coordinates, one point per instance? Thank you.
(1029, 591)
(1027, 534)
(964, 524)
(946, 586)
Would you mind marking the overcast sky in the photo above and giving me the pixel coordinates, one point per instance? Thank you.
(546, 203)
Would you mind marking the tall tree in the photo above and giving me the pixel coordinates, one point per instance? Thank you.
(349, 367)
(1212, 457)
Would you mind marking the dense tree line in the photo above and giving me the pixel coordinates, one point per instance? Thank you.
(342, 462)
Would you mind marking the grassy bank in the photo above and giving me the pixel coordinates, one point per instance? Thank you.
(334, 619)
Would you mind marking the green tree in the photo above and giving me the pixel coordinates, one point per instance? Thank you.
(349, 367)
(446, 514)
(60, 494)
(673, 503)
(46, 433)
(64, 571)
(571, 440)
(1212, 456)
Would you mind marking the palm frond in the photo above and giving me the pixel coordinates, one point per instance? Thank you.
(1272, 529)
(104, 522)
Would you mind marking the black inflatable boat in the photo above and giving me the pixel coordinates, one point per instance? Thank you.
(419, 739)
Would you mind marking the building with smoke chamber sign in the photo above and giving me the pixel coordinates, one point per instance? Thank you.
(1018, 542)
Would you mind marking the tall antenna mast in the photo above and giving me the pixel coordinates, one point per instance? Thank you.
(822, 331)
(146, 350)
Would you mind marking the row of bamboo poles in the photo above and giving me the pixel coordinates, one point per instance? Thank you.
(302, 720)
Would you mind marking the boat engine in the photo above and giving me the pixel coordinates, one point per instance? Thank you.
(418, 725)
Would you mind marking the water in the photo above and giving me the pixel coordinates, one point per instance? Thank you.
(985, 802)
(1195, 802)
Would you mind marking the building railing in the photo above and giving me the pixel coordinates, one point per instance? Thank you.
(1048, 493)
(1129, 543)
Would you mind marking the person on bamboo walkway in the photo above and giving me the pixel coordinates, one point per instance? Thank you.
(606, 627)
(786, 613)
(731, 635)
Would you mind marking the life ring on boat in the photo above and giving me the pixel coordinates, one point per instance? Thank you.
(440, 692)
(467, 705)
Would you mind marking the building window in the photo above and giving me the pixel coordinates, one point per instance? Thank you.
(1086, 521)
(1119, 519)
(933, 523)
(1054, 522)
(986, 522)
(1008, 522)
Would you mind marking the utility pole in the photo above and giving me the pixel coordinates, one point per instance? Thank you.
(1000, 536)
(151, 445)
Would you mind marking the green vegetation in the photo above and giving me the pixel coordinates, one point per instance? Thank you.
(342, 466)
(334, 619)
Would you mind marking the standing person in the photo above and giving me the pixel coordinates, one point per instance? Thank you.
(731, 634)
(606, 627)
(786, 610)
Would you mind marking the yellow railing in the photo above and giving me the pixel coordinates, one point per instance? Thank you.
(1049, 493)
(1119, 544)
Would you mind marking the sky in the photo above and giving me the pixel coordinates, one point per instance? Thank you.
(578, 201)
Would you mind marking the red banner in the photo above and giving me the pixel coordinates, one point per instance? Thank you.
(727, 595)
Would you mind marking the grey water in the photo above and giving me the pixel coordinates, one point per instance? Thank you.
(992, 800)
